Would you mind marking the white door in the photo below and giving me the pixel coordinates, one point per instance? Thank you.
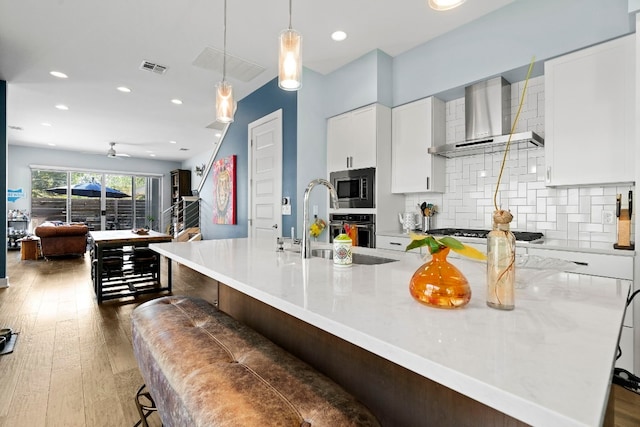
(265, 177)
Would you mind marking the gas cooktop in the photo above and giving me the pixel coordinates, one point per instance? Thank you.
(524, 236)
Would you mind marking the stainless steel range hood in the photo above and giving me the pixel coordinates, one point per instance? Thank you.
(488, 122)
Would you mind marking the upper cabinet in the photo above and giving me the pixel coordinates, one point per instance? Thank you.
(352, 138)
(414, 128)
(589, 108)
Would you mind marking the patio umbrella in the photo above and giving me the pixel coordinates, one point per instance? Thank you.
(89, 189)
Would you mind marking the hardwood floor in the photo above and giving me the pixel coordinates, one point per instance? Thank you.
(73, 363)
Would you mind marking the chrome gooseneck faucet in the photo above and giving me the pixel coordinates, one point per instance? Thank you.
(306, 244)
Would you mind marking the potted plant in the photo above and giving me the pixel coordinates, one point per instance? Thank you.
(150, 220)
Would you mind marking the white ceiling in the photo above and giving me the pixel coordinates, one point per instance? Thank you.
(101, 44)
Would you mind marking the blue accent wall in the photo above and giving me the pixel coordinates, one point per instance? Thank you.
(265, 100)
(3, 186)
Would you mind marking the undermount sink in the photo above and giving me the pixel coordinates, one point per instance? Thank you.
(356, 257)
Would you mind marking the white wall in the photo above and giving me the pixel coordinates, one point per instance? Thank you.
(358, 84)
(506, 40)
(312, 152)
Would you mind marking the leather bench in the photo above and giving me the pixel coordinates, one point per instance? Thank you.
(204, 368)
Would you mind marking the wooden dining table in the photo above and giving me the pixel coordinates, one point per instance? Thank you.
(122, 267)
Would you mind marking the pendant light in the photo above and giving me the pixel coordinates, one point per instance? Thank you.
(444, 4)
(290, 63)
(224, 92)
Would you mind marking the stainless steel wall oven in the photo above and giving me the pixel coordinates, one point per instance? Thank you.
(365, 225)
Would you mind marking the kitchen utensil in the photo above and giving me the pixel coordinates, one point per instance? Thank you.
(426, 223)
(624, 224)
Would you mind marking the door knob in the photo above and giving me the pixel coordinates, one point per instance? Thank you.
(274, 226)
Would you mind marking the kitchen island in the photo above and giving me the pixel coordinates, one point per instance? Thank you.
(548, 362)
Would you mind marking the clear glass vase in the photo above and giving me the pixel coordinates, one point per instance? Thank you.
(501, 269)
(439, 283)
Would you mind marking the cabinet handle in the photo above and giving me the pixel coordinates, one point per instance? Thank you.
(549, 174)
(586, 264)
(395, 243)
(427, 183)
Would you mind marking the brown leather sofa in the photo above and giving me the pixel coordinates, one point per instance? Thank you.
(62, 240)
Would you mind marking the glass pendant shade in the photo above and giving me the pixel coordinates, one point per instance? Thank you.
(444, 4)
(224, 102)
(290, 63)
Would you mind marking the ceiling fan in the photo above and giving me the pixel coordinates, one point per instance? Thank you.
(112, 152)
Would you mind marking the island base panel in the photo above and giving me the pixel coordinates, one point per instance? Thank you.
(396, 396)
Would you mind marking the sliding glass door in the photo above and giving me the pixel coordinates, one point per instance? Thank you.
(102, 201)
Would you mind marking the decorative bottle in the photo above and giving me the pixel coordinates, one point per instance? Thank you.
(342, 256)
(501, 257)
(439, 283)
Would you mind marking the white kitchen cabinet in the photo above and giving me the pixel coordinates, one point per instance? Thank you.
(415, 127)
(589, 115)
(615, 266)
(394, 243)
(352, 137)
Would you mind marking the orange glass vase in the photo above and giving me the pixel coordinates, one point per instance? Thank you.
(438, 283)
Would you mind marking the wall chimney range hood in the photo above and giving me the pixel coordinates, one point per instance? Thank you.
(488, 122)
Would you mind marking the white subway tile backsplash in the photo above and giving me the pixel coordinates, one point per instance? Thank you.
(559, 213)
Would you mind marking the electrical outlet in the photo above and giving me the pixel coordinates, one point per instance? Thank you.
(315, 209)
(607, 217)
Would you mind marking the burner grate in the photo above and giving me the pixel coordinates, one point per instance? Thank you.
(525, 236)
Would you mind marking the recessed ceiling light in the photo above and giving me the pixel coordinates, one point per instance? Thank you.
(62, 107)
(51, 144)
(173, 142)
(218, 134)
(152, 155)
(444, 4)
(46, 124)
(58, 74)
(338, 35)
(124, 89)
(176, 101)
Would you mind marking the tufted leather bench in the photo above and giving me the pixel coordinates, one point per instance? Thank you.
(203, 368)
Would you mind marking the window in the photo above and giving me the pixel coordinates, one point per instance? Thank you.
(128, 201)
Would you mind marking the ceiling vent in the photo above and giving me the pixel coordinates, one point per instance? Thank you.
(183, 149)
(217, 126)
(154, 68)
(237, 68)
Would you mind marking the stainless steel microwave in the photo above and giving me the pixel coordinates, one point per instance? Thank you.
(355, 187)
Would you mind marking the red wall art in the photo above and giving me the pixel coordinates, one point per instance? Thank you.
(224, 190)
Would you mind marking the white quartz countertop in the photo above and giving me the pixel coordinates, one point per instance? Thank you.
(549, 362)
(545, 243)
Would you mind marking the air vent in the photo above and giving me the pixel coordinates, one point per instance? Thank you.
(183, 149)
(154, 68)
(237, 68)
(217, 126)
(15, 127)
